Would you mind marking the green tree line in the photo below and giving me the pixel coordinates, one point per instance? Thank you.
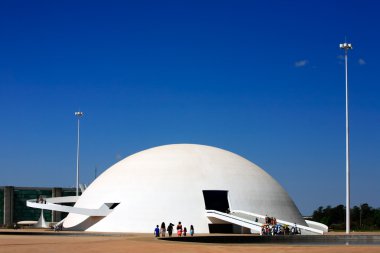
(363, 217)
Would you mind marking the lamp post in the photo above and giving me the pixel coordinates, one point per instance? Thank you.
(346, 47)
(78, 115)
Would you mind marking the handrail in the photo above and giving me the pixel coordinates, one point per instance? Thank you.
(67, 199)
(234, 219)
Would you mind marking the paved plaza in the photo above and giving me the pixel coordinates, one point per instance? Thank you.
(64, 242)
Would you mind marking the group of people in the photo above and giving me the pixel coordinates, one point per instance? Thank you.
(272, 228)
(58, 227)
(41, 200)
(270, 220)
(180, 230)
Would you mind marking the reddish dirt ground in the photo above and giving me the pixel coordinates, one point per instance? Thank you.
(146, 243)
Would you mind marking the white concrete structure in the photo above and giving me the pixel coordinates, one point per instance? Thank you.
(193, 184)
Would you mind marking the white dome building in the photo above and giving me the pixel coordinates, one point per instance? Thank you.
(177, 183)
(194, 184)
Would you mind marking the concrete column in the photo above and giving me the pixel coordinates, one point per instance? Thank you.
(55, 215)
(8, 205)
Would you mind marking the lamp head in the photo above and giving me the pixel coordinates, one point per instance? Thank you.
(345, 46)
(79, 114)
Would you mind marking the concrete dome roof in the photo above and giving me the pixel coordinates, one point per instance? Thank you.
(166, 183)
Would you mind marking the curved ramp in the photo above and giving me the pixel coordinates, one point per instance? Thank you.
(317, 225)
(245, 219)
(304, 229)
(53, 205)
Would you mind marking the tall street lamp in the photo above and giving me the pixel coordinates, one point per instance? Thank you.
(346, 47)
(78, 115)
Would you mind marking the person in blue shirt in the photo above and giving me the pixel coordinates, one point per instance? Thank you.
(191, 230)
(157, 231)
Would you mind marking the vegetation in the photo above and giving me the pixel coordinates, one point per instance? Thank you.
(363, 217)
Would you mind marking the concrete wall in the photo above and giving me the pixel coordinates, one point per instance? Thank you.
(56, 216)
(8, 205)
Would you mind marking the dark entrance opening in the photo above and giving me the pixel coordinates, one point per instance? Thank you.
(216, 200)
(221, 228)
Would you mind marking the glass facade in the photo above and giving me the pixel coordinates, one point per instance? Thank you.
(21, 212)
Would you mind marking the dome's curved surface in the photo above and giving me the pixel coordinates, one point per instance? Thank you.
(166, 183)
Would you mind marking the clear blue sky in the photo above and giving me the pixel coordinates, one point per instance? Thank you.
(263, 79)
